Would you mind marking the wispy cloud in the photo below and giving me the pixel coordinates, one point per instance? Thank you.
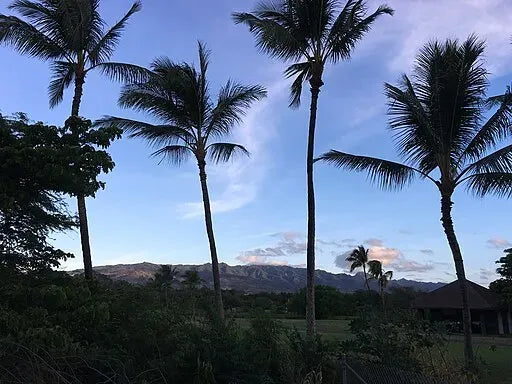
(427, 251)
(240, 180)
(498, 243)
(374, 242)
(417, 22)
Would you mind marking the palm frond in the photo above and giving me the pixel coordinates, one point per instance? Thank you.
(351, 26)
(451, 80)
(497, 128)
(27, 39)
(105, 47)
(409, 120)
(274, 31)
(156, 135)
(498, 161)
(233, 101)
(387, 174)
(375, 269)
(63, 74)
(223, 152)
(174, 154)
(122, 72)
(302, 71)
(490, 183)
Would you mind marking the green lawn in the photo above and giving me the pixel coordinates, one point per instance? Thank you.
(496, 361)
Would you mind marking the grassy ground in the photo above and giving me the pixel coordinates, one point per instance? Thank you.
(494, 353)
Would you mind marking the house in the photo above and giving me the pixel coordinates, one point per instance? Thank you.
(445, 304)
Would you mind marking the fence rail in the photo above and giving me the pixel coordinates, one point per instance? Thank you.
(359, 372)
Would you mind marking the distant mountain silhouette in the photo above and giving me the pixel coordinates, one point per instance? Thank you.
(254, 278)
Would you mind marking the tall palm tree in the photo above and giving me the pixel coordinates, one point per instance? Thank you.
(178, 96)
(378, 273)
(71, 35)
(439, 126)
(309, 33)
(358, 259)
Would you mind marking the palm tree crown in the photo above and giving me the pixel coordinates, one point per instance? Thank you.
(70, 33)
(358, 258)
(311, 32)
(437, 124)
(178, 96)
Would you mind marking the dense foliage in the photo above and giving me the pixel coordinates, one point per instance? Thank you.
(54, 326)
(39, 164)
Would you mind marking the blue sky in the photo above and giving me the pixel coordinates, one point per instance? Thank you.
(152, 212)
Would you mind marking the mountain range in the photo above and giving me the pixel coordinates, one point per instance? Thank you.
(254, 278)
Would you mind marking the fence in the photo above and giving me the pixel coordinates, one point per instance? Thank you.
(358, 372)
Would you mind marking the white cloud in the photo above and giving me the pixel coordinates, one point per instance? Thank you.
(374, 242)
(242, 177)
(260, 260)
(417, 22)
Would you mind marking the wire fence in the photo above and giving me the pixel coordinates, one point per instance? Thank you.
(358, 372)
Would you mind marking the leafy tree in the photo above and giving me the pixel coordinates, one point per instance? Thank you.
(192, 123)
(309, 33)
(192, 280)
(378, 273)
(358, 259)
(503, 286)
(71, 34)
(38, 164)
(439, 126)
(505, 269)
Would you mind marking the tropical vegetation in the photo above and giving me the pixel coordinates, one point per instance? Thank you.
(71, 35)
(57, 327)
(309, 34)
(439, 126)
(192, 124)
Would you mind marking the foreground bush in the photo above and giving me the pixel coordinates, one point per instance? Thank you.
(60, 329)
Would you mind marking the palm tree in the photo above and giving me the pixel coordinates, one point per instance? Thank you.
(378, 273)
(70, 34)
(178, 96)
(164, 278)
(309, 33)
(438, 121)
(358, 259)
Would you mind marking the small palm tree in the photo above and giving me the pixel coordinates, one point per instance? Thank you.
(70, 34)
(440, 131)
(192, 123)
(165, 278)
(358, 259)
(309, 33)
(383, 277)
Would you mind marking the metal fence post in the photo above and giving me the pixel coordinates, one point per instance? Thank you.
(344, 369)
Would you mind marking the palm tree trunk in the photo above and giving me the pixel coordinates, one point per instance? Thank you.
(446, 219)
(82, 210)
(366, 277)
(310, 257)
(211, 239)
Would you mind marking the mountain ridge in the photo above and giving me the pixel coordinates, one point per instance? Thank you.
(254, 278)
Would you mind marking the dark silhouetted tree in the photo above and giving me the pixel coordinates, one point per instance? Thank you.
(438, 121)
(178, 96)
(358, 258)
(310, 34)
(71, 35)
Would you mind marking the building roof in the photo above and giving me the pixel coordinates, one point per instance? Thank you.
(449, 296)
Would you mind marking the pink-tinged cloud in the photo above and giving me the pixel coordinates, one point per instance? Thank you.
(498, 243)
(385, 255)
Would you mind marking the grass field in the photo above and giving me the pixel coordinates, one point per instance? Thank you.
(494, 353)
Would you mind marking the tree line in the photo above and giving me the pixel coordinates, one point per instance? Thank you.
(446, 129)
